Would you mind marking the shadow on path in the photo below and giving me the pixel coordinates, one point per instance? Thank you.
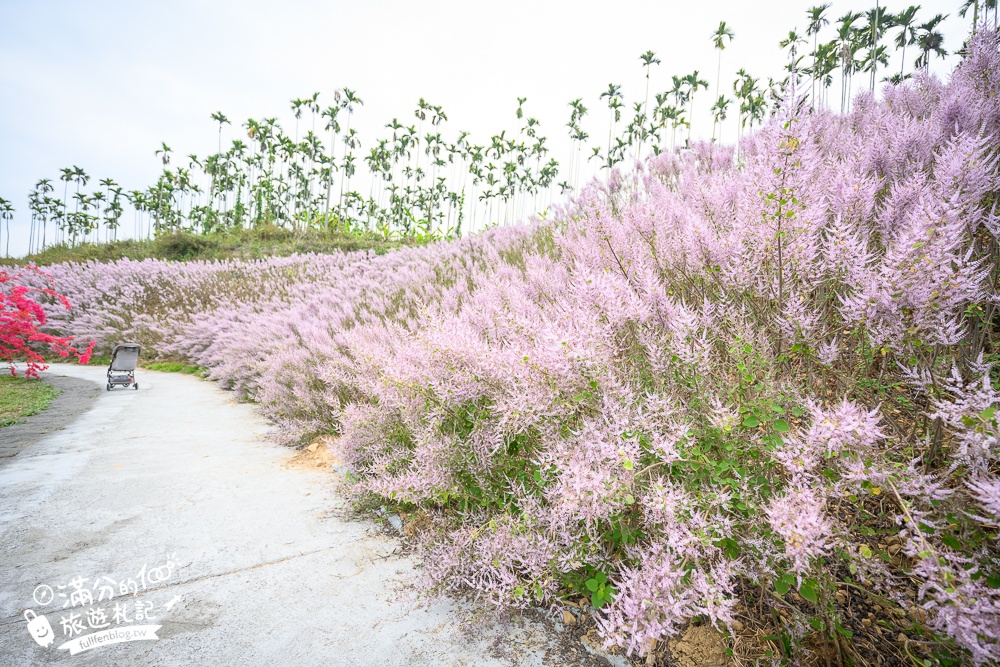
(76, 397)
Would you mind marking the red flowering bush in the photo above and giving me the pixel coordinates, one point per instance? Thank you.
(20, 319)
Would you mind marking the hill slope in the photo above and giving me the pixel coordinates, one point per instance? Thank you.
(754, 391)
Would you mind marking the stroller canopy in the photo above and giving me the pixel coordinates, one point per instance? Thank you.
(125, 357)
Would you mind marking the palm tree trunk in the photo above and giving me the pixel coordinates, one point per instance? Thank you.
(812, 77)
(611, 129)
(690, 118)
(718, 93)
(340, 202)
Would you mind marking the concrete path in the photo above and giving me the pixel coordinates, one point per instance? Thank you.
(169, 506)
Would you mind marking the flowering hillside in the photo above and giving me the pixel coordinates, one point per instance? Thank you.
(754, 387)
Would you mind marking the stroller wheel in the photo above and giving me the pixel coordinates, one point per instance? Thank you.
(109, 386)
(135, 386)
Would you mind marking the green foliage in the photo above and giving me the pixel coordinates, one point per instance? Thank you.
(175, 367)
(600, 591)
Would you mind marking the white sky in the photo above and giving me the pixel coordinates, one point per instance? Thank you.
(101, 83)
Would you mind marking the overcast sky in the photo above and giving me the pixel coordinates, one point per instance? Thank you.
(101, 83)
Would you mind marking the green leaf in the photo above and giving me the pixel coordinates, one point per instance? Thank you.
(627, 463)
(797, 411)
(952, 541)
(987, 414)
(781, 426)
(844, 631)
(865, 551)
(781, 587)
(808, 592)
(601, 578)
(778, 409)
(592, 585)
(993, 580)
(538, 476)
(519, 591)
(629, 499)
(597, 601)
(750, 421)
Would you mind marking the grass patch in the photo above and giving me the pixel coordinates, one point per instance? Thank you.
(257, 243)
(20, 398)
(174, 367)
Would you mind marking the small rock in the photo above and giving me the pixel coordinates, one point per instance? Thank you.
(894, 549)
(901, 638)
(867, 622)
(313, 447)
(568, 617)
(841, 597)
(396, 522)
(737, 626)
(892, 539)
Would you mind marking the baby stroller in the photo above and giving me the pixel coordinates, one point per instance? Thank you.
(122, 369)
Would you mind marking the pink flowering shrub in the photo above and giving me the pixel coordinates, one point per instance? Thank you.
(768, 370)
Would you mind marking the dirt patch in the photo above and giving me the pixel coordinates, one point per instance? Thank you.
(699, 646)
(316, 456)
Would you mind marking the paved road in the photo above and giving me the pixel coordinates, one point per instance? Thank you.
(175, 489)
